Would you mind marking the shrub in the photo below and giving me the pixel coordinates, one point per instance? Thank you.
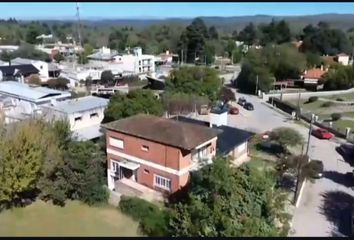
(313, 99)
(152, 220)
(340, 99)
(336, 116)
(326, 104)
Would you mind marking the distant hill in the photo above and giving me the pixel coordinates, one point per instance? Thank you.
(342, 21)
(229, 24)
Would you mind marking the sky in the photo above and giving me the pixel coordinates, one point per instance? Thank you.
(56, 10)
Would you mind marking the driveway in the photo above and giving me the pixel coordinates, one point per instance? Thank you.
(322, 202)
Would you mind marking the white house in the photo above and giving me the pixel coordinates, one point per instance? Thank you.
(42, 66)
(84, 114)
(343, 59)
(135, 63)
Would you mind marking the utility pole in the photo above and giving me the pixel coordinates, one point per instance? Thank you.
(257, 84)
(309, 135)
(181, 57)
(298, 107)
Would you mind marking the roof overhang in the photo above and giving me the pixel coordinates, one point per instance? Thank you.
(129, 165)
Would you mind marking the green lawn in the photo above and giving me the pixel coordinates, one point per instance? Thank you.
(346, 97)
(260, 164)
(75, 219)
(343, 124)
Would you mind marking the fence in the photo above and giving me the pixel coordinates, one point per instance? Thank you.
(303, 95)
(290, 108)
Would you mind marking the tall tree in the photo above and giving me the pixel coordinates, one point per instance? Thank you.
(248, 35)
(193, 39)
(213, 33)
(226, 201)
(136, 101)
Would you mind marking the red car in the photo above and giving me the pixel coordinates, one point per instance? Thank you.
(234, 111)
(322, 133)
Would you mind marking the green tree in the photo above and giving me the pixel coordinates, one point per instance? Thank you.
(136, 101)
(23, 146)
(286, 137)
(248, 35)
(193, 39)
(340, 78)
(58, 58)
(201, 81)
(213, 33)
(107, 77)
(224, 201)
(226, 95)
(32, 34)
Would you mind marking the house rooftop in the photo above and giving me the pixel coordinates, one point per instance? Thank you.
(228, 139)
(24, 91)
(315, 73)
(79, 104)
(162, 130)
(21, 68)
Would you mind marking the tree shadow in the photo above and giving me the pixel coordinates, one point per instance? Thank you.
(346, 179)
(336, 207)
(347, 152)
(287, 182)
(270, 148)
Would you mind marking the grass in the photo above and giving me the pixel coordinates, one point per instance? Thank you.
(343, 124)
(75, 219)
(260, 164)
(346, 97)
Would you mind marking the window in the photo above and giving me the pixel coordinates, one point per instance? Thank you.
(145, 148)
(146, 171)
(93, 115)
(115, 166)
(115, 142)
(139, 62)
(78, 119)
(162, 182)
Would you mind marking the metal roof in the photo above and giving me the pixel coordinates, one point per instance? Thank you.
(79, 104)
(88, 133)
(24, 91)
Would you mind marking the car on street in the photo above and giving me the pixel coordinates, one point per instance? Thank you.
(241, 101)
(234, 111)
(352, 221)
(346, 150)
(248, 106)
(266, 134)
(322, 133)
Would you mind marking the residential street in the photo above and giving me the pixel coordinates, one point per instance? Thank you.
(309, 219)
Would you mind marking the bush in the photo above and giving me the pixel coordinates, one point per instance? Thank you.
(313, 99)
(327, 104)
(152, 220)
(336, 116)
(340, 99)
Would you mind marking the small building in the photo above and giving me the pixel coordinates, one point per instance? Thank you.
(343, 59)
(157, 152)
(20, 101)
(43, 68)
(84, 115)
(17, 72)
(312, 78)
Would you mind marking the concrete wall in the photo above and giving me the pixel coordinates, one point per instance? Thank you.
(305, 95)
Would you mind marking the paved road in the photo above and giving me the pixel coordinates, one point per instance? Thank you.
(308, 219)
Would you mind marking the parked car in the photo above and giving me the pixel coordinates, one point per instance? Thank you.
(241, 101)
(234, 111)
(322, 133)
(346, 150)
(248, 106)
(265, 135)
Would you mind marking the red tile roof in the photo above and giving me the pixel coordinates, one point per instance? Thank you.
(162, 130)
(315, 73)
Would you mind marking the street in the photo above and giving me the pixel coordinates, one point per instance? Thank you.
(322, 202)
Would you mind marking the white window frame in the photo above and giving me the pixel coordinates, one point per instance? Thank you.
(162, 182)
(116, 142)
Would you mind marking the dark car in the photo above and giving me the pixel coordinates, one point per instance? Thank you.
(352, 221)
(248, 106)
(234, 111)
(346, 150)
(241, 101)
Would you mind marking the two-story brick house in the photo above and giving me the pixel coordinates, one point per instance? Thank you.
(157, 152)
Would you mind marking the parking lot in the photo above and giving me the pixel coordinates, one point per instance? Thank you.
(320, 212)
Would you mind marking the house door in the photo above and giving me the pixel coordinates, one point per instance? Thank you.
(118, 170)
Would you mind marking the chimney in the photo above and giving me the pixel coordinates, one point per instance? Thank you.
(322, 67)
(167, 52)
